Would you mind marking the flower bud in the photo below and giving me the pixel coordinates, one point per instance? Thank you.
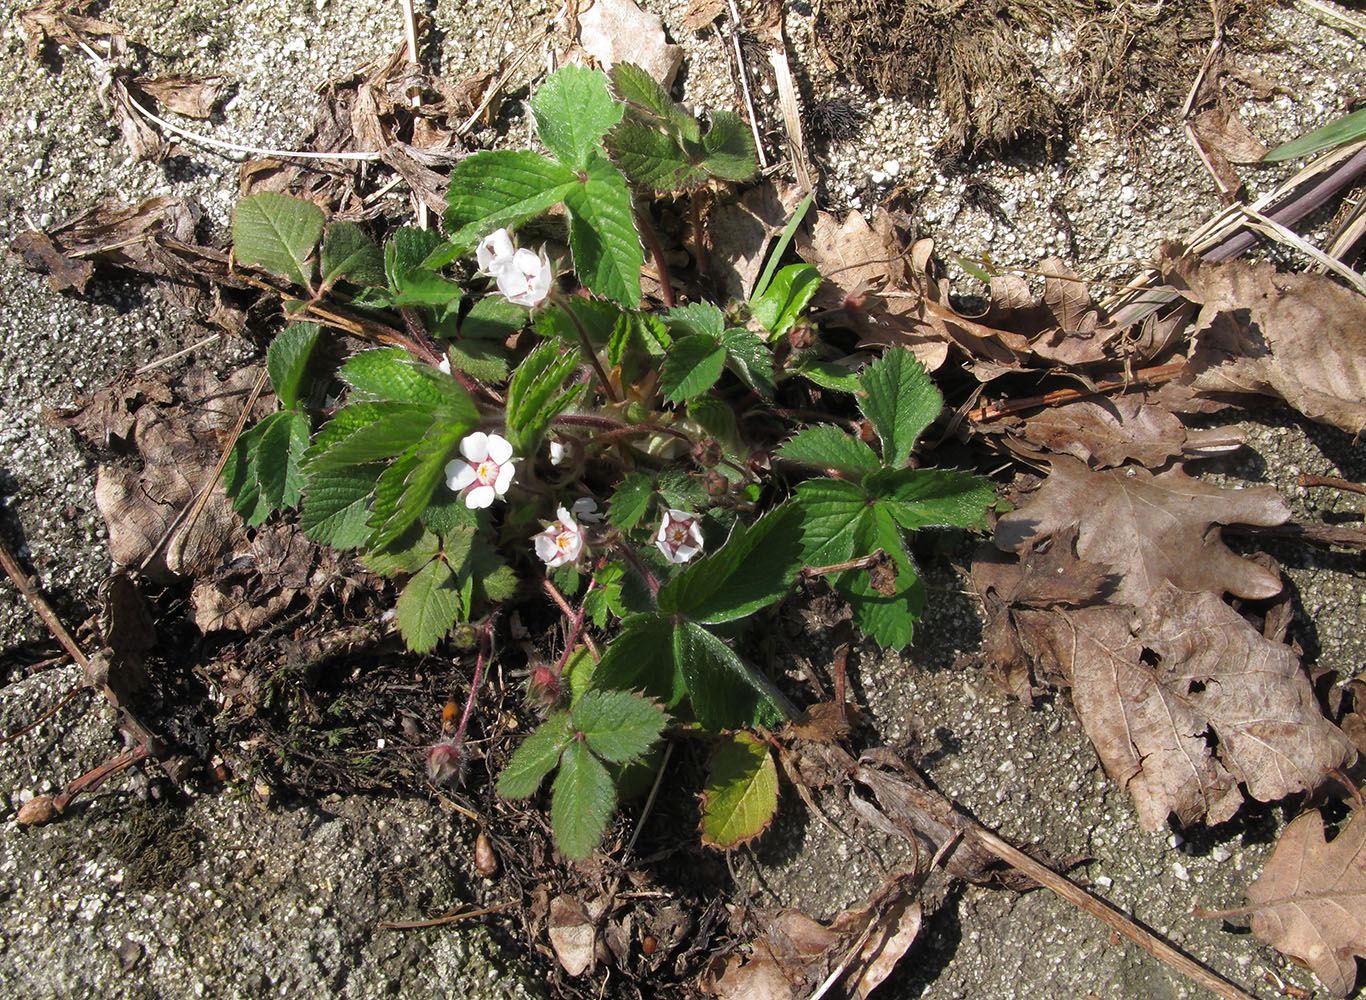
(446, 762)
(544, 688)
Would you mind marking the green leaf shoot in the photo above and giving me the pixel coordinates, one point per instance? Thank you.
(428, 607)
(287, 358)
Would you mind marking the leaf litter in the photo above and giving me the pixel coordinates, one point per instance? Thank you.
(1110, 581)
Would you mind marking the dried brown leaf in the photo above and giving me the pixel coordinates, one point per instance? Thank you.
(793, 954)
(68, 22)
(573, 935)
(1110, 432)
(618, 31)
(194, 97)
(740, 233)
(1297, 337)
(1149, 529)
(1311, 899)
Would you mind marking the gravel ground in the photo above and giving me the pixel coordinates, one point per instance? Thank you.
(244, 896)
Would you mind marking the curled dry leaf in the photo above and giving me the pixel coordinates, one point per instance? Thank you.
(1296, 337)
(1149, 529)
(573, 935)
(793, 954)
(1310, 900)
(185, 95)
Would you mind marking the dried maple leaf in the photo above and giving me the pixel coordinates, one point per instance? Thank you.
(1297, 337)
(1149, 529)
(1310, 900)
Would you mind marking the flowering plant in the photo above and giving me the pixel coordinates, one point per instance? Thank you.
(718, 438)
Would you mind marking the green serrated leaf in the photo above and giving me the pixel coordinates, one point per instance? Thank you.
(598, 319)
(494, 580)
(241, 479)
(700, 318)
(752, 570)
(390, 373)
(781, 305)
(900, 401)
(420, 479)
(336, 505)
(653, 158)
(407, 553)
(933, 498)
(740, 797)
(536, 757)
(408, 250)
(388, 492)
(828, 447)
(714, 417)
(648, 101)
(832, 511)
(480, 359)
(681, 489)
(888, 618)
(630, 501)
(287, 358)
(348, 253)
(830, 375)
(447, 511)
(729, 146)
(724, 691)
(618, 725)
(641, 658)
(277, 233)
(502, 187)
(750, 359)
(602, 233)
(581, 802)
(536, 394)
(368, 432)
(573, 111)
(428, 607)
(281, 446)
(692, 367)
(642, 333)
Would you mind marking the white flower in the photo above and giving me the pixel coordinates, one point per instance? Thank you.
(525, 279)
(680, 536)
(561, 542)
(558, 453)
(586, 510)
(523, 276)
(485, 472)
(494, 250)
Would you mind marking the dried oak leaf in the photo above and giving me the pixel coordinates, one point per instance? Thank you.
(1148, 529)
(1184, 699)
(1109, 432)
(1297, 337)
(1310, 899)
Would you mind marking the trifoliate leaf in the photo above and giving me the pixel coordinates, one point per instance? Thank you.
(618, 725)
(900, 401)
(336, 504)
(653, 158)
(831, 512)
(752, 570)
(602, 233)
(348, 253)
(828, 447)
(277, 233)
(428, 607)
(573, 111)
(692, 367)
(741, 793)
(536, 757)
(498, 188)
(647, 101)
(287, 358)
(581, 802)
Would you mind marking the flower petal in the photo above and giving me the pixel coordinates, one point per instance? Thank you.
(480, 497)
(459, 474)
(504, 479)
(498, 448)
(475, 447)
